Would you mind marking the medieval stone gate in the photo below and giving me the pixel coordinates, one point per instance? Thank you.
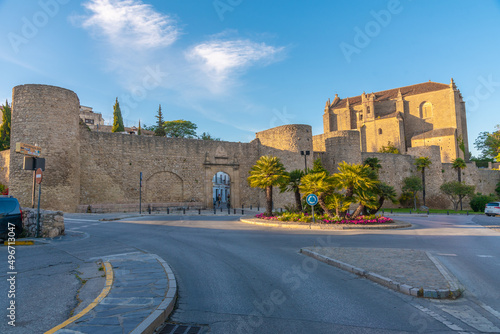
(231, 169)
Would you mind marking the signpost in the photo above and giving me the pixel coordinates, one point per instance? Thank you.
(38, 178)
(28, 149)
(312, 200)
(140, 193)
(32, 161)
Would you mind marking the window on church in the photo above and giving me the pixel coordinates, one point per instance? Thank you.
(360, 117)
(367, 110)
(379, 131)
(426, 110)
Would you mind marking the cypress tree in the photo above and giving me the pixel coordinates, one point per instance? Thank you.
(117, 118)
(139, 130)
(5, 128)
(160, 129)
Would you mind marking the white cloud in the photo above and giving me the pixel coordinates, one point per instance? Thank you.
(219, 58)
(130, 23)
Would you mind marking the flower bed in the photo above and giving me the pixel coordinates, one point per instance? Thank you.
(323, 219)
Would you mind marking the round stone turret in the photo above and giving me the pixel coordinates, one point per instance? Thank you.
(48, 117)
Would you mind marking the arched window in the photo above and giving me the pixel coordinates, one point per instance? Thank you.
(426, 110)
(380, 131)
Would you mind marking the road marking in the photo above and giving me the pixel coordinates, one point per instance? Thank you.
(104, 293)
(447, 254)
(81, 220)
(439, 318)
(472, 318)
(489, 309)
(485, 255)
(111, 257)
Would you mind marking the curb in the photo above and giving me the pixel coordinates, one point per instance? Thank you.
(452, 293)
(166, 307)
(310, 226)
(153, 320)
(102, 295)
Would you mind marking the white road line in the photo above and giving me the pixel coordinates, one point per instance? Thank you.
(485, 255)
(489, 309)
(472, 318)
(81, 220)
(447, 254)
(439, 318)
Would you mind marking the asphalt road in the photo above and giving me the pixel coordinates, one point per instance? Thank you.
(239, 278)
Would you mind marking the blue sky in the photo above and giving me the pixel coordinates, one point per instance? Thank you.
(235, 67)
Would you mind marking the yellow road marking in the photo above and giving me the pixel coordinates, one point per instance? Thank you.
(19, 243)
(104, 293)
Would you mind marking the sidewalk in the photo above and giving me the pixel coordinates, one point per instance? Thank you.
(412, 272)
(139, 295)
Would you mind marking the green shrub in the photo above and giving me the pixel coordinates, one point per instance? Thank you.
(479, 201)
(406, 199)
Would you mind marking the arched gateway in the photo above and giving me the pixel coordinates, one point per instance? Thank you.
(231, 185)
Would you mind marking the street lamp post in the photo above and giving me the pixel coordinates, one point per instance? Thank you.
(305, 154)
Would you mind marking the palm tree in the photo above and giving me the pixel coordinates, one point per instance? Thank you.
(373, 163)
(384, 191)
(336, 201)
(422, 163)
(293, 184)
(459, 164)
(319, 184)
(267, 172)
(357, 180)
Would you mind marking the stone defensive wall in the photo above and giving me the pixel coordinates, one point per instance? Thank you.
(98, 169)
(337, 146)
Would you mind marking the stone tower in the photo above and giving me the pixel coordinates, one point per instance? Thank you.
(47, 116)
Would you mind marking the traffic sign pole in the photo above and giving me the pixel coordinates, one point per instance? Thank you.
(38, 178)
(312, 200)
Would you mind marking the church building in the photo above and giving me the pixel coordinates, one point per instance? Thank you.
(424, 114)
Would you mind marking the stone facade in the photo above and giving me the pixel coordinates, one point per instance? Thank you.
(4, 167)
(419, 115)
(100, 170)
(92, 119)
(51, 223)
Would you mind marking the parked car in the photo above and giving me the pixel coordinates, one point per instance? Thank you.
(10, 217)
(492, 209)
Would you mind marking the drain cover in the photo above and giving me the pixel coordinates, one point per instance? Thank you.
(171, 328)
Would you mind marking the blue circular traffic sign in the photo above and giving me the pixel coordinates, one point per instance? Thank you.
(312, 199)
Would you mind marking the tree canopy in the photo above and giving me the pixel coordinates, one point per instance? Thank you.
(456, 191)
(180, 129)
(488, 144)
(208, 136)
(412, 185)
(5, 128)
(390, 148)
(267, 172)
(117, 118)
(159, 128)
